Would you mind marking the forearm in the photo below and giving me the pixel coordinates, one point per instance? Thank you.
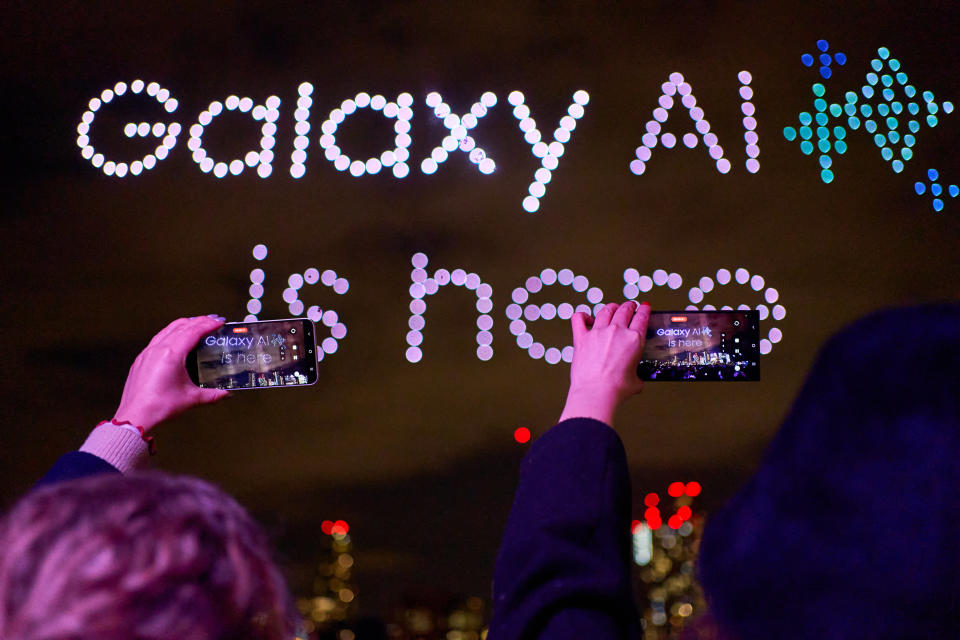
(599, 404)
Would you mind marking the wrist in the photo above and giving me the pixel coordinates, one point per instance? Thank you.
(134, 418)
(599, 403)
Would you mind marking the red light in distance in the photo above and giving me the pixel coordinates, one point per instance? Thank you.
(522, 435)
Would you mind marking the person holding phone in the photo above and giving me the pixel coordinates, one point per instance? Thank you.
(563, 570)
(848, 529)
(119, 553)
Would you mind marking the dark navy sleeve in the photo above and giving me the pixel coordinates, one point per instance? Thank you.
(76, 464)
(563, 570)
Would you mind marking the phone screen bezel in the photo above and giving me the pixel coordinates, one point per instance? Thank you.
(309, 341)
(753, 315)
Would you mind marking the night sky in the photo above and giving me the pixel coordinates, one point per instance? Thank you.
(420, 458)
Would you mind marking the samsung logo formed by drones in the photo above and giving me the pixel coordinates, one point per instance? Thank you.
(461, 133)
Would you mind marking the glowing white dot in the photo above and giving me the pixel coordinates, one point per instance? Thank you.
(763, 311)
(723, 165)
(575, 110)
(296, 307)
(742, 275)
(264, 170)
(756, 283)
(660, 277)
(668, 140)
(236, 166)
(580, 283)
(259, 253)
(775, 335)
(565, 311)
(531, 204)
(594, 295)
(254, 306)
(645, 283)
(536, 350)
(779, 312)
(695, 295)
(765, 346)
(357, 168)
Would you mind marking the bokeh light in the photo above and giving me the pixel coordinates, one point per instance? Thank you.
(121, 169)
(548, 154)
(423, 285)
(676, 85)
(394, 158)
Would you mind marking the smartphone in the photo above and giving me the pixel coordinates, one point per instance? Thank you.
(256, 355)
(718, 346)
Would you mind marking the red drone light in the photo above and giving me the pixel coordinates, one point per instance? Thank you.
(522, 435)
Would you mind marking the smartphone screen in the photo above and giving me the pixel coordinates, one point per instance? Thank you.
(256, 355)
(702, 346)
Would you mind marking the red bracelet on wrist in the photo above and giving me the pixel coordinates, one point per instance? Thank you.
(151, 446)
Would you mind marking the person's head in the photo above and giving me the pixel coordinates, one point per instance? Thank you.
(148, 556)
(850, 527)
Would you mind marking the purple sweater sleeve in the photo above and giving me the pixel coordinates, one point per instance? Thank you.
(563, 570)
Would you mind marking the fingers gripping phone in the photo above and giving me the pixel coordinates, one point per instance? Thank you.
(256, 355)
(702, 346)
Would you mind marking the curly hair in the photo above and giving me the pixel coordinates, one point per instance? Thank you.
(149, 556)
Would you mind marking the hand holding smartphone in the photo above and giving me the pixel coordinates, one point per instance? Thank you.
(256, 355)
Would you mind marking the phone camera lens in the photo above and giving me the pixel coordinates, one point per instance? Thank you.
(293, 330)
(736, 323)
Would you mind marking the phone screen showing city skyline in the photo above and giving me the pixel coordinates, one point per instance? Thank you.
(702, 345)
(255, 355)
